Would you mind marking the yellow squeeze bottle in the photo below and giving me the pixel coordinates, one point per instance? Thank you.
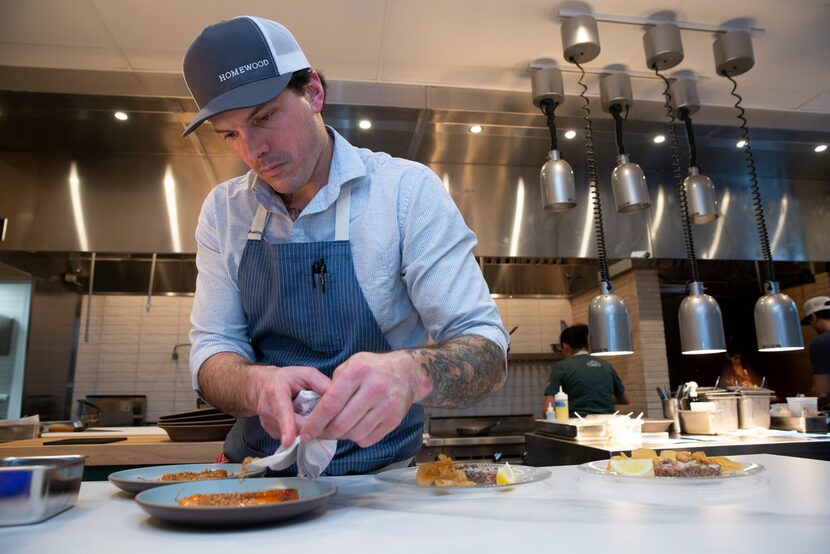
(560, 405)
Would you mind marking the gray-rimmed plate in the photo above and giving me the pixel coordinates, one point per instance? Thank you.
(524, 475)
(600, 467)
(143, 478)
(163, 502)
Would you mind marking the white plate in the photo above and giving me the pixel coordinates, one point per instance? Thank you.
(143, 478)
(163, 502)
(600, 467)
(524, 475)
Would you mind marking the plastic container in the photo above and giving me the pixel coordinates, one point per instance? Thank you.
(802, 405)
(37, 488)
(19, 429)
(560, 405)
(625, 429)
(549, 413)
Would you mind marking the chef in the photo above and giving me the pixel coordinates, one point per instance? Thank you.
(325, 268)
(817, 316)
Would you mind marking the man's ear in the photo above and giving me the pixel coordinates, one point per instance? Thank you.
(315, 93)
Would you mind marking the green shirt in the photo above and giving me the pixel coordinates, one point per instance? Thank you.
(589, 383)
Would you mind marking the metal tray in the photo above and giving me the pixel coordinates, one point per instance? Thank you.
(574, 428)
(804, 424)
(37, 488)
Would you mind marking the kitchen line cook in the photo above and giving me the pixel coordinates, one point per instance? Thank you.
(325, 268)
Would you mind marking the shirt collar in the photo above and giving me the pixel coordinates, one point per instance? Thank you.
(582, 352)
(346, 165)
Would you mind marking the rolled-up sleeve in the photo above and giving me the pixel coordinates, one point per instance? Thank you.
(218, 322)
(442, 277)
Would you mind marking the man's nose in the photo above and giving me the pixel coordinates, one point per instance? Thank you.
(255, 145)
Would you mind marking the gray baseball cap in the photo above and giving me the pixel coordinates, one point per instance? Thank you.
(239, 63)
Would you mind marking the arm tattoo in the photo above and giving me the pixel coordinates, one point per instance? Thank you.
(463, 370)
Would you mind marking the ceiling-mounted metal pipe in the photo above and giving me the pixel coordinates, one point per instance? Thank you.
(150, 290)
(89, 296)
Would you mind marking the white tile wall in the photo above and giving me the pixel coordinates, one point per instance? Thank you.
(130, 351)
(538, 320)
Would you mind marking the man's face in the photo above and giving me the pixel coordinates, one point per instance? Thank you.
(814, 323)
(281, 140)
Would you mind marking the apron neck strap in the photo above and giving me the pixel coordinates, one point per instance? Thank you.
(343, 209)
(259, 222)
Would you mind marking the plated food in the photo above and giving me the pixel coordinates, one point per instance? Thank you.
(446, 475)
(442, 473)
(233, 502)
(143, 478)
(672, 468)
(204, 475)
(240, 499)
(645, 462)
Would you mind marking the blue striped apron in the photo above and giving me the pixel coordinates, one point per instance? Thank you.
(305, 307)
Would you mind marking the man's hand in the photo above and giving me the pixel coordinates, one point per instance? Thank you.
(369, 396)
(275, 401)
(231, 383)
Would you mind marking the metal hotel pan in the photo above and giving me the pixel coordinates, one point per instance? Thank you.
(37, 488)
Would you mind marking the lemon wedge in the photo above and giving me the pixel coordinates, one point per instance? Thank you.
(505, 475)
(632, 468)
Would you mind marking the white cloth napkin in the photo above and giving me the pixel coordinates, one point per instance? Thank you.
(312, 458)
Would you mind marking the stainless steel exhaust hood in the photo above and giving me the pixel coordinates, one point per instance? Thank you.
(119, 203)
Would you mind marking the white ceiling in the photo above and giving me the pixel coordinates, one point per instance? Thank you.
(481, 44)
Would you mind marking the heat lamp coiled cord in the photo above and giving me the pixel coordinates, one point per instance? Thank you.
(757, 205)
(689, 239)
(591, 162)
(548, 107)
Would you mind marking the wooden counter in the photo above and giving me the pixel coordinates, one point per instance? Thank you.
(137, 450)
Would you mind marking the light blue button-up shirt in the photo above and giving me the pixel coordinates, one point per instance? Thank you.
(411, 249)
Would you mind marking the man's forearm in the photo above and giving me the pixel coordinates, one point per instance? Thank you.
(228, 382)
(462, 370)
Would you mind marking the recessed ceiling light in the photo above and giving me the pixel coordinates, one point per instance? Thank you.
(821, 148)
(741, 143)
(659, 139)
(570, 133)
(476, 129)
(364, 124)
(121, 116)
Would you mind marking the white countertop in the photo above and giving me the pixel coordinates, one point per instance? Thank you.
(783, 509)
